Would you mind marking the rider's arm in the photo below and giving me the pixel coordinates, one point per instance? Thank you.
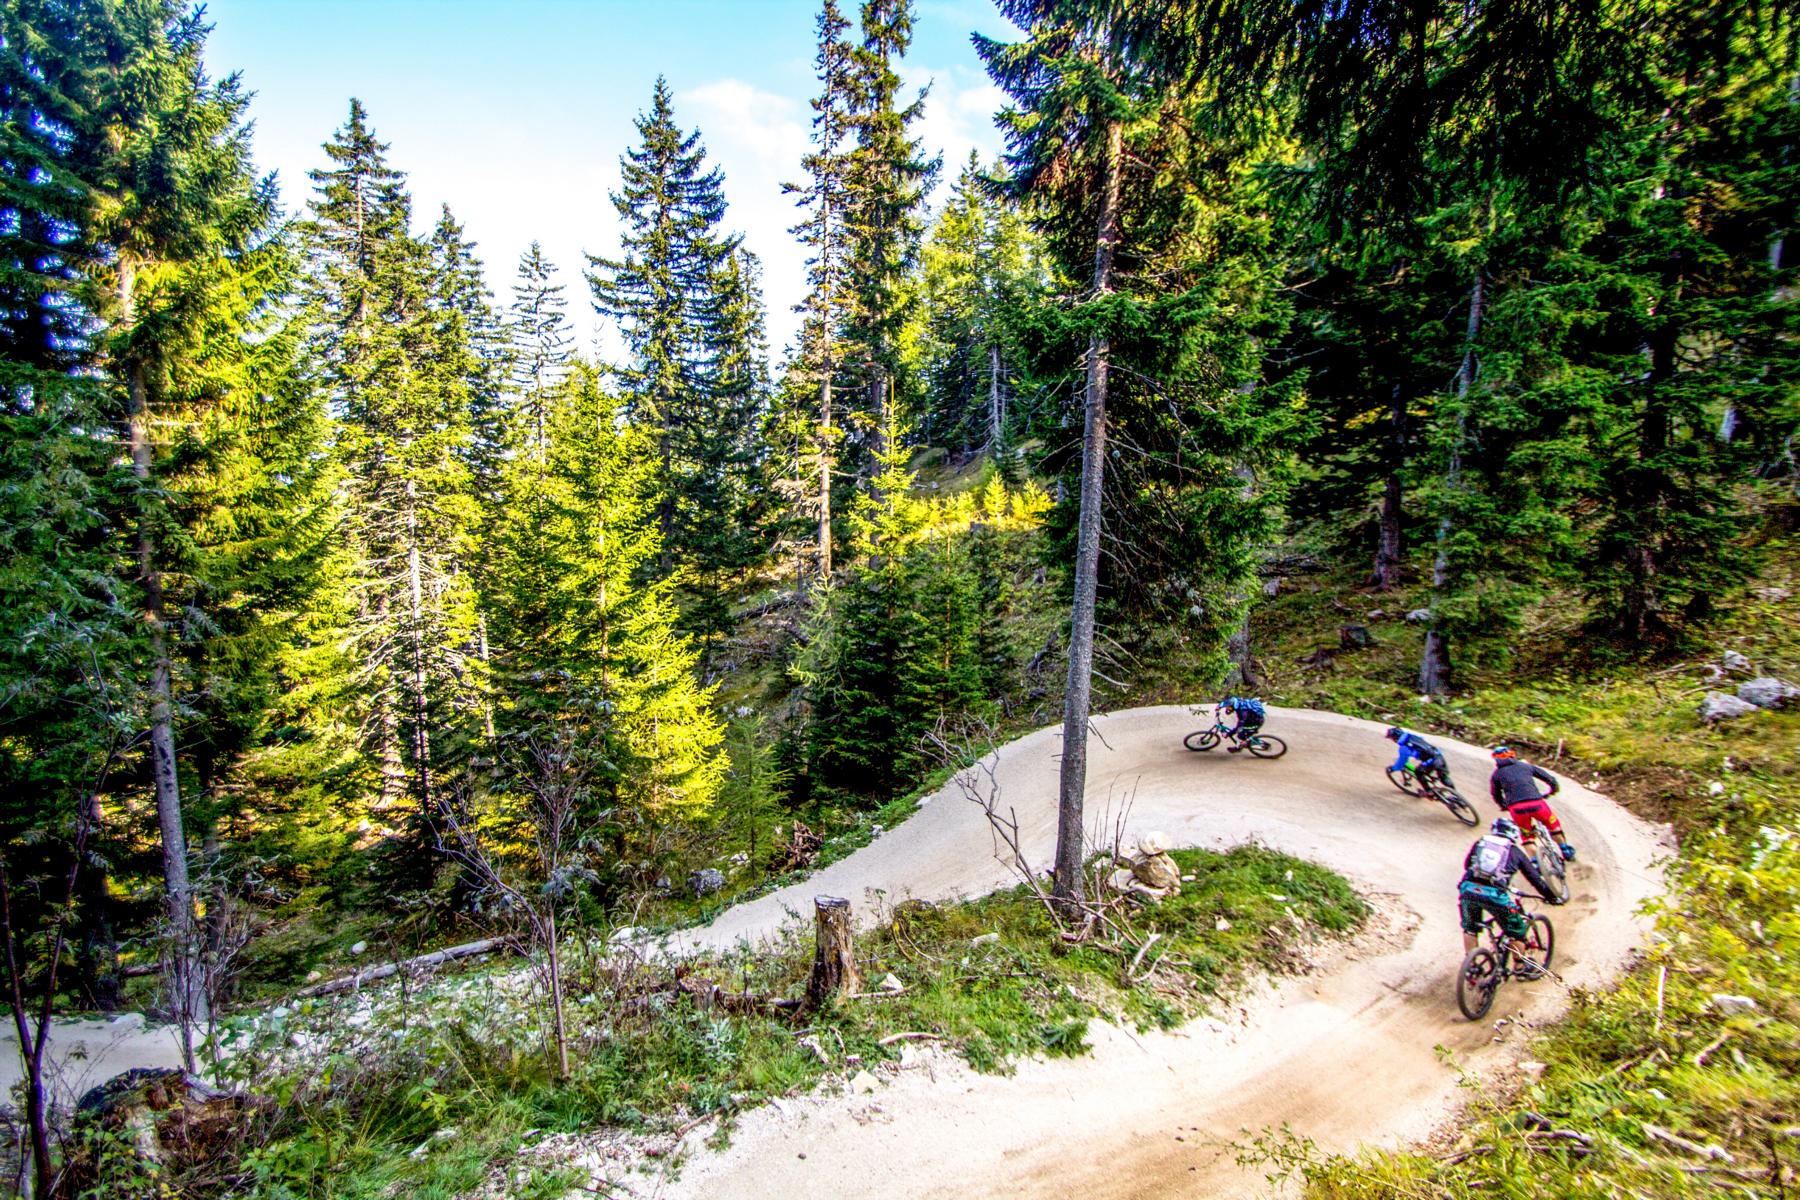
(1494, 789)
(1547, 777)
(1522, 861)
(1400, 761)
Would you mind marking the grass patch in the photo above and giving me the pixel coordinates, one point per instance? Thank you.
(367, 1086)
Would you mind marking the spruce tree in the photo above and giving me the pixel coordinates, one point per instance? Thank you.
(398, 361)
(584, 637)
(824, 231)
(663, 289)
(540, 341)
(884, 197)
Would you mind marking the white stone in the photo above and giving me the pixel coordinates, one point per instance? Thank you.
(862, 1083)
(1732, 1005)
(1717, 706)
(984, 939)
(1767, 692)
(1221, 925)
(359, 947)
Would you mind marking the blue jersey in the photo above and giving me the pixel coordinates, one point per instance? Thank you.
(1412, 746)
(1244, 706)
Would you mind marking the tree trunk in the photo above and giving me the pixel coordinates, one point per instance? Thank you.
(1072, 785)
(1386, 575)
(1642, 607)
(996, 412)
(557, 1028)
(1434, 663)
(825, 473)
(186, 994)
(421, 709)
(97, 950)
(834, 954)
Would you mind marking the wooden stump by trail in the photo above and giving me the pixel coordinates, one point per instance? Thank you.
(834, 959)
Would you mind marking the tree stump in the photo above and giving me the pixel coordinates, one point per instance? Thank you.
(834, 959)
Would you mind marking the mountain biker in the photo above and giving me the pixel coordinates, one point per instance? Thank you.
(1486, 885)
(1414, 748)
(1513, 789)
(1250, 716)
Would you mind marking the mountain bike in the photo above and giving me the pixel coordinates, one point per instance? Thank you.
(1262, 745)
(1412, 783)
(1485, 968)
(1548, 857)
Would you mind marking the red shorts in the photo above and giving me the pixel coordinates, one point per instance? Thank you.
(1527, 811)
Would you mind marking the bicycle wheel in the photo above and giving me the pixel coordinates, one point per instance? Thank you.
(1540, 941)
(1551, 867)
(1476, 983)
(1406, 781)
(1204, 739)
(1451, 799)
(1265, 746)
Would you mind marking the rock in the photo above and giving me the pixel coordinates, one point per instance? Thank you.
(1720, 707)
(1767, 692)
(624, 935)
(705, 882)
(1221, 925)
(891, 983)
(1355, 637)
(1532, 1070)
(1418, 616)
(1375, 614)
(1272, 587)
(862, 1083)
(984, 939)
(1734, 662)
(172, 1121)
(359, 948)
(1730, 1005)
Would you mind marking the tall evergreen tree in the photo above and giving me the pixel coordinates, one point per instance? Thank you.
(584, 638)
(885, 186)
(824, 231)
(538, 327)
(980, 265)
(663, 290)
(398, 365)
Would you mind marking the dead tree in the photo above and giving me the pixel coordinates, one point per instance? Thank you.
(555, 776)
(834, 954)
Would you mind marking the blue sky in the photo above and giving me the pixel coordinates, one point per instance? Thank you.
(515, 114)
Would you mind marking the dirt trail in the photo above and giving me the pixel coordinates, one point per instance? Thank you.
(1345, 1057)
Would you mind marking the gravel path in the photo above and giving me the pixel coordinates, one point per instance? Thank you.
(1347, 1056)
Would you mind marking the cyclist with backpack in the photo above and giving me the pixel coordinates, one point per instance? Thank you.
(1486, 886)
(1431, 760)
(1514, 788)
(1250, 717)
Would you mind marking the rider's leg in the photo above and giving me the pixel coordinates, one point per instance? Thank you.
(1470, 910)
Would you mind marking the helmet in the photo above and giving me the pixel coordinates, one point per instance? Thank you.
(1393, 733)
(1505, 827)
(1502, 753)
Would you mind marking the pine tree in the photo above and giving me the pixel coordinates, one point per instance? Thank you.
(663, 291)
(540, 339)
(884, 198)
(825, 234)
(583, 637)
(398, 362)
(980, 265)
(471, 329)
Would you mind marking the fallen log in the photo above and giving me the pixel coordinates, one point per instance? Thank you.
(436, 958)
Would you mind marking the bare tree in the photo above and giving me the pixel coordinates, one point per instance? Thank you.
(554, 780)
(31, 1021)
